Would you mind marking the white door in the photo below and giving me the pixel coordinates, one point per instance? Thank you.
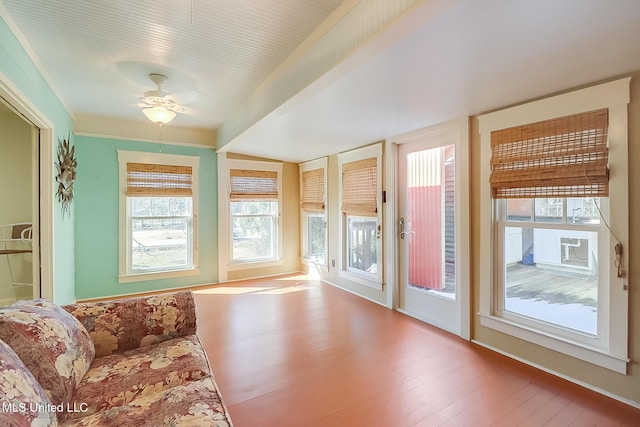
(432, 231)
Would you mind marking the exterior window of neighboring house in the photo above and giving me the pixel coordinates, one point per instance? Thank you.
(159, 205)
(313, 214)
(250, 206)
(360, 185)
(554, 277)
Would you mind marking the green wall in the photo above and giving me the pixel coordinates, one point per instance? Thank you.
(18, 71)
(96, 214)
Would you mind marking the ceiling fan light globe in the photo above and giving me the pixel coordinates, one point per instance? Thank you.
(159, 115)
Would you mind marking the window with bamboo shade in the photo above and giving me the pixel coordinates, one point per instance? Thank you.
(158, 218)
(550, 213)
(359, 187)
(360, 226)
(313, 219)
(313, 191)
(563, 157)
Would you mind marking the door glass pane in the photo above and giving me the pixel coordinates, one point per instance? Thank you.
(551, 275)
(430, 222)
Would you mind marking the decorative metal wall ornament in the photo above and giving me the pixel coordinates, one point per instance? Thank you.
(66, 174)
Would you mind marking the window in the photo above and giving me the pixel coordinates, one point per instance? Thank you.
(255, 229)
(551, 220)
(549, 266)
(361, 244)
(158, 204)
(313, 214)
(361, 231)
(250, 207)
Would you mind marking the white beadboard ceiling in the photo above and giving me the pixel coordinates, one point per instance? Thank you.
(98, 54)
(367, 70)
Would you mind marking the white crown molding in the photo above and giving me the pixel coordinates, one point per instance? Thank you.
(130, 130)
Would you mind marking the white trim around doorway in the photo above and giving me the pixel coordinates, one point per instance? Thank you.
(458, 132)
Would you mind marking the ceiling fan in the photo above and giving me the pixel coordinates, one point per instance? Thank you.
(159, 106)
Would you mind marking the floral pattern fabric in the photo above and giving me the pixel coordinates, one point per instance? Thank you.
(153, 370)
(194, 404)
(22, 399)
(53, 345)
(119, 379)
(125, 324)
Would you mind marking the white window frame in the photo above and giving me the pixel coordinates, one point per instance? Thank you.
(609, 349)
(304, 216)
(225, 241)
(126, 274)
(368, 279)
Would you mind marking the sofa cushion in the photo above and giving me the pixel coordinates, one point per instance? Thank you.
(125, 324)
(118, 379)
(52, 344)
(23, 402)
(195, 403)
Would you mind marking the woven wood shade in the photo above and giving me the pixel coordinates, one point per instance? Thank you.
(150, 180)
(359, 187)
(252, 184)
(313, 191)
(563, 157)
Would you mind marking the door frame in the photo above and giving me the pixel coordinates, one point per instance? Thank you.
(42, 186)
(458, 129)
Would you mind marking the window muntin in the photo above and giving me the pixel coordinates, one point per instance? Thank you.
(549, 270)
(254, 230)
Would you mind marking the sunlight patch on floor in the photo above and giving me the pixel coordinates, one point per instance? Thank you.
(239, 290)
(297, 277)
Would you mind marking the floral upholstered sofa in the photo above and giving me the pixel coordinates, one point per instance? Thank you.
(127, 362)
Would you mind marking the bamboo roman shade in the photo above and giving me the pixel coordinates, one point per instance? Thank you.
(563, 157)
(313, 191)
(360, 187)
(151, 180)
(253, 184)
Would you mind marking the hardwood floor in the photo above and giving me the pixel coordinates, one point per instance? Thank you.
(298, 352)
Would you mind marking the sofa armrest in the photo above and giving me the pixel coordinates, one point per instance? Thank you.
(129, 323)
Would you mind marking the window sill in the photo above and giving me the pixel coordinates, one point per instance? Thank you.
(580, 351)
(254, 264)
(157, 275)
(361, 279)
